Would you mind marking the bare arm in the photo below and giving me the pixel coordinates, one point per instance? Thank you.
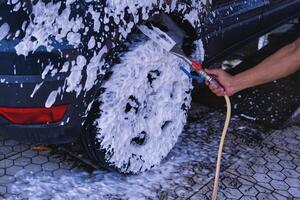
(281, 64)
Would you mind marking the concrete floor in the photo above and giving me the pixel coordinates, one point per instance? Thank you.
(257, 164)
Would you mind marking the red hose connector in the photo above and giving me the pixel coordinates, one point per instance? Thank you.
(197, 66)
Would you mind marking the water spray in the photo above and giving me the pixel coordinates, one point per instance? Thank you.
(172, 43)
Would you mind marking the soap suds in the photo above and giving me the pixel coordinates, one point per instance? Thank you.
(57, 21)
(36, 88)
(4, 30)
(51, 99)
(248, 117)
(146, 96)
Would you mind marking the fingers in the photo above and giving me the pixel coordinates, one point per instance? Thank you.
(207, 82)
(219, 91)
(220, 75)
(217, 73)
(213, 87)
(214, 72)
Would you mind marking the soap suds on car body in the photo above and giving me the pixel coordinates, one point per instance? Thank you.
(50, 21)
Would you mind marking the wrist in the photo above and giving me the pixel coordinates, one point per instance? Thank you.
(236, 84)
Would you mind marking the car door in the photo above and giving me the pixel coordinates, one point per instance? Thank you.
(229, 23)
(278, 11)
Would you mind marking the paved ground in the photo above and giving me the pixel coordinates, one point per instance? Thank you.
(257, 164)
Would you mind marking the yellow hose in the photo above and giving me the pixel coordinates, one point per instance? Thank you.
(218, 166)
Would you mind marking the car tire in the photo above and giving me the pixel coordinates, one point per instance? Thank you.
(141, 109)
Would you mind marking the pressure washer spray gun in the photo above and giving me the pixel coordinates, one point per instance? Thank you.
(168, 42)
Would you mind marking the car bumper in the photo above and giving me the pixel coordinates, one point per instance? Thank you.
(18, 92)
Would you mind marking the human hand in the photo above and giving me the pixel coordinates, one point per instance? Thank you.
(225, 79)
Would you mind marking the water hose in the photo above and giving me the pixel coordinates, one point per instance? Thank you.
(199, 69)
(226, 124)
(224, 132)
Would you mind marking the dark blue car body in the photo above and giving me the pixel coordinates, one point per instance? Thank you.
(225, 26)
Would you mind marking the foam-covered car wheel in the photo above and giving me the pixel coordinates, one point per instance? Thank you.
(141, 110)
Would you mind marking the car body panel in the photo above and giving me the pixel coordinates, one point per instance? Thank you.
(277, 11)
(232, 22)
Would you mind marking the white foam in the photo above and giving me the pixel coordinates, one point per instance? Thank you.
(36, 88)
(92, 42)
(4, 30)
(156, 107)
(51, 21)
(94, 69)
(296, 113)
(248, 117)
(51, 99)
(48, 22)
(194, 146)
